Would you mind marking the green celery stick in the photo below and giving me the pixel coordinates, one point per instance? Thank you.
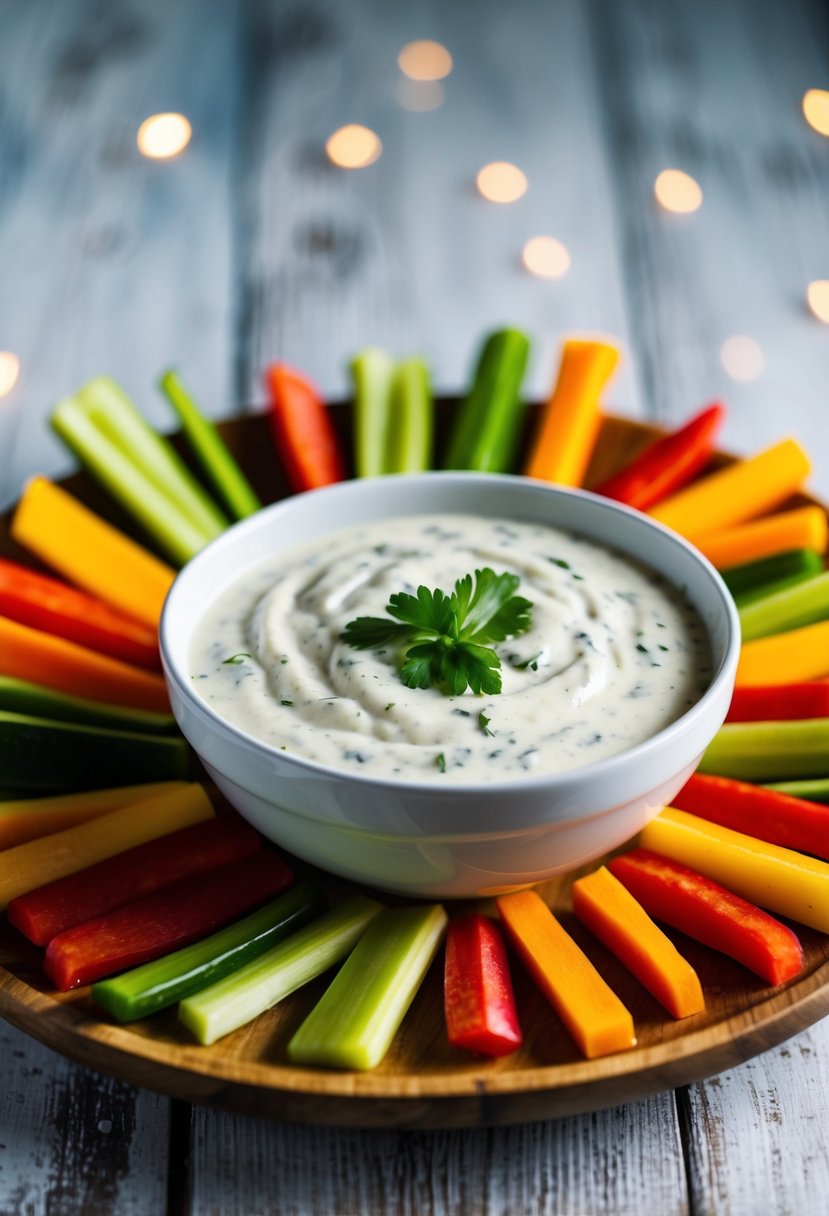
(816, 790)
(114, 414)
(211, 450)
(150, 506)
(41, 756)
(230, 1003)
(412, 419)
(800, 605)
(486, 430)
(745, 598)
(769, 751)
(153, 986)
(751, 575)
(372, 371)
(352, 1026)
(22, 697)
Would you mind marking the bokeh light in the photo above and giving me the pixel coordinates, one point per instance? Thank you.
(353, 147)
(818, 296)
(677, 191)
(742, 357)
(546, 257)
(425, 60)
(501, 182)
(9, 371)
(816, 109)
(163, 136)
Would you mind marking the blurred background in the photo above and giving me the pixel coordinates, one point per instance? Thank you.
(661, 175)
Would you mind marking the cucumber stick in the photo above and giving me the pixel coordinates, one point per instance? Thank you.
(769, 751)
(230, 1003)
(146, 989)
(372, 371)
(754, 576)
(411, 422)
(22, 697)
(210, 450)
(816, 790)
(802, 604)
(354, 1023)
(486, 431)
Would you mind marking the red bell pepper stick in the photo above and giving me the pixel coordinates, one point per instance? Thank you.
(478, 1000)
(52, 909)
(55, 607)
(765, 814)
(710, 914)
(302, 430)
(667, 464)
(162, 922)
(780, 702)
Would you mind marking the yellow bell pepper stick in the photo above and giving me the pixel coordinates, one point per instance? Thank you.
(30, 818)
(785, 658)
(801, 528)
(569, 425)
(766, 874)
(739, 492)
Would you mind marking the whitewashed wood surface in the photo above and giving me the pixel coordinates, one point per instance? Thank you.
(251, 247)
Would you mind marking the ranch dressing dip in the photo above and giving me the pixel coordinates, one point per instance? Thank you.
(614, 654)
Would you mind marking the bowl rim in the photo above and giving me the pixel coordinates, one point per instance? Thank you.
(552, 782)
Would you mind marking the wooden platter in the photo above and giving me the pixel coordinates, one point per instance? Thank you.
(423, 1082)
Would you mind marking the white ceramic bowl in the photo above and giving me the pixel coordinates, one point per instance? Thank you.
(414, 837)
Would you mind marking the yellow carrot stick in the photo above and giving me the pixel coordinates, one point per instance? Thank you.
(591, 1011)
(800, 528)
(70, 538)
(739, 492)
(30, 818)
(37, 862)
(569, 425)
(766, 874)
(609, 910)
(785, 658)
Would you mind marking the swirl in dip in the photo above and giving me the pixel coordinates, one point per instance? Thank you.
(614, 655)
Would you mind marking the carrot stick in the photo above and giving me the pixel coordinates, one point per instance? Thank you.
(89, 552)
(30, 818)
(785, 658)
(29, 654)
(617, 919)
(592, 1013)
(801, 528)
(741, 491)
(569, 426)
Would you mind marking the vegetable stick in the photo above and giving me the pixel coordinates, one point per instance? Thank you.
(780, 702)
(769, 751)
(302, 431)
(210, 450)
(478, 1001)
(569, 425)
(90, 552)
(42, 658)
(667, 464)
(409, 446)
(775, 878)
(786, 658)
(36, 701)
(37, 862)
(354, 1022)
(601, 902)
(792, 608)
(163, 982)
(801, 528)
(710, 914)
(591, 1011)
(25, 819)
(741, 491)
(485, 429)
(816, 790)
(755, 578)
(372, 371)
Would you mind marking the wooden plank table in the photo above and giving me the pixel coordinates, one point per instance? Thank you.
(251, 246)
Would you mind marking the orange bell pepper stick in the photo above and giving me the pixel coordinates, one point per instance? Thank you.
(800, 528)
(785, 658)
(26, 819)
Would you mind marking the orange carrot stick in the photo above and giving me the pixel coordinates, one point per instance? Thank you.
(785, 658)
(30, 818)
(592, 1013)
(569, 426)
(29, 654)
(617, 919)
(741, 491)
(800, 528)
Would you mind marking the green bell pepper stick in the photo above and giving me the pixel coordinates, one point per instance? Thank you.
(769, 751)
(372, 371)
(754, 576)
(411, 421)
(230, 1003)
(23, 697)
(210, 449)
(352, 1026)
(802, 604)
(156, 985)
(816, 790)
(486, 430)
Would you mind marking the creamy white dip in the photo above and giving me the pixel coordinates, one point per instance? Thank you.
(613, 656)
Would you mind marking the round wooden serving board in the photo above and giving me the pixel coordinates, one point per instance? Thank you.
(423, 1082)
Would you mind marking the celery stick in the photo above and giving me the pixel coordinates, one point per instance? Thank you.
(150, 506)
(210, 450)
(486, 431)
(114, 414)
(153, 986)
(352, 1026)
(411, 419)
(789, 609)
(769, 751)
(231, 1002)
(816, 790)
(756, 575)
(21, 697)
(372, 371)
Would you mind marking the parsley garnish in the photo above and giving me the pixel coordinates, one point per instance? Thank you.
(447, 636)
(236, 658)
(483, 723)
